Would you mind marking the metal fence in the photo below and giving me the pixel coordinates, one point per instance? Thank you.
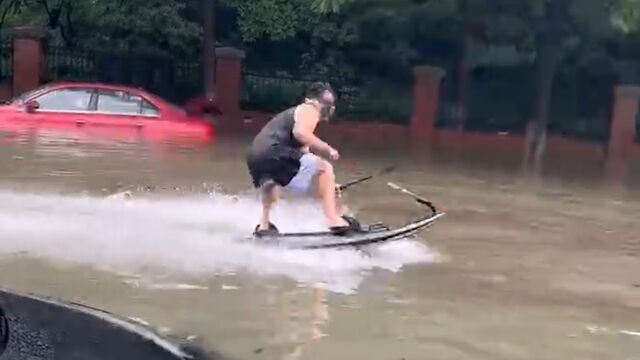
(503, 99)
(638, 127)
(271, 93)
(6, 61)
(162, 75)
(356, 100)
(63, 64)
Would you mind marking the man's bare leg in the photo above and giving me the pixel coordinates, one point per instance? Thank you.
(269, 198)
(327, 189)
(341, 208)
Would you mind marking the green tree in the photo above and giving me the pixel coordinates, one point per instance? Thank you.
(562, 27)
(629, 16)
(276, 19)
(153, 25)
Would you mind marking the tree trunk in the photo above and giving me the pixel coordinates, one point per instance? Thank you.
(208, 46)
(537, 127)
(11, 7)
(546, 62)
(460, 115)
(462, 88)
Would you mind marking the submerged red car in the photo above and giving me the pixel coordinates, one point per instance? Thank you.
(97, 107)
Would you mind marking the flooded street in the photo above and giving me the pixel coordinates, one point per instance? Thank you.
(514, 271)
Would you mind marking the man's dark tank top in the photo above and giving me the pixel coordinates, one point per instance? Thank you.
(276, 138)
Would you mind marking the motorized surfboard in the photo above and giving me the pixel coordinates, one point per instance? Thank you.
(358, 236)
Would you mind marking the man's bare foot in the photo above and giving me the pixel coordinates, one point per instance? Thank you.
(264, 226)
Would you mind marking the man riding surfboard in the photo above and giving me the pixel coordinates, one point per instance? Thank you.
(281, 157)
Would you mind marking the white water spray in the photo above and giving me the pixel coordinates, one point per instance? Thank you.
(193, 236)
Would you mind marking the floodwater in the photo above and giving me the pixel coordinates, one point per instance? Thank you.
(514, 271)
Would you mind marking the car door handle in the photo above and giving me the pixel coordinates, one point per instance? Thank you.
(80, 122)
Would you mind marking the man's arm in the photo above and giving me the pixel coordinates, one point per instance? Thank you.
(307, 118)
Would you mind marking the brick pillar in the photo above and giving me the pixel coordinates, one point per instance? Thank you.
(28, 58)
(426, 94)
(228, 87)
(622, 133)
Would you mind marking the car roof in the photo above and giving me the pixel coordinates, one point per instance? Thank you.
(60, 84)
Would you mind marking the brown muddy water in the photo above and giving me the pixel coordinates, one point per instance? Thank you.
(514, 271)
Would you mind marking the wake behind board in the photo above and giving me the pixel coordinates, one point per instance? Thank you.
(372, 234)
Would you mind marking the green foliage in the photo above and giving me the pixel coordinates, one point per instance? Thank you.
(629, 16)
(276, 19)
(149, 25)
(329, 6)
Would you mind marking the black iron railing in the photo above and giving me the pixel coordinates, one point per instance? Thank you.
(6, 61)
(356, 100)
(162, 75)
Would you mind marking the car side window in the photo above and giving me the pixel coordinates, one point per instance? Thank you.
(149, 109)
(124, 103)
(118, 102)
(65, 100)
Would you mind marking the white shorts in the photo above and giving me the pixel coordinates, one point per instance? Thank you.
(302, 182)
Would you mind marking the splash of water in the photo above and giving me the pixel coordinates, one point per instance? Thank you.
(194, 235)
